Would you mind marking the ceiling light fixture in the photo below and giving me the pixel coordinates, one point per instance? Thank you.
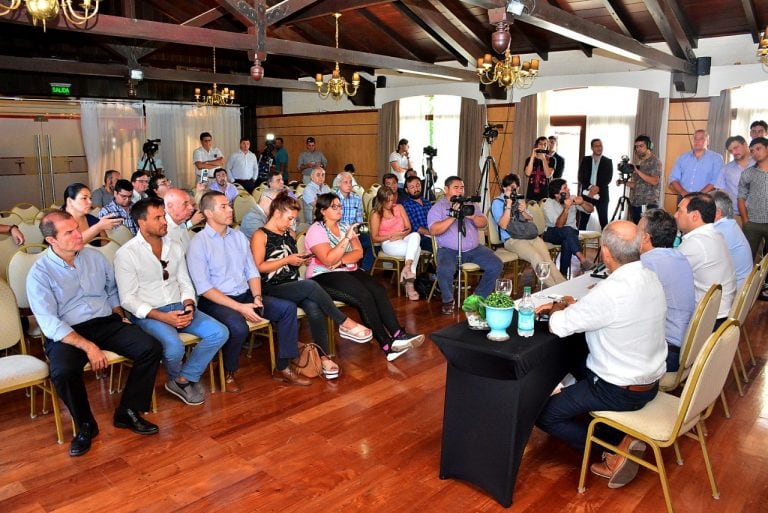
(337, 86)
(213, 97)
(44, 10)
(508, 72)
(515, 7)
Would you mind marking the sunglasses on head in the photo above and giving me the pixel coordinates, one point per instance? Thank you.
(166, 275)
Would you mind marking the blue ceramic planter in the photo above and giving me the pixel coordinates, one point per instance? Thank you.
(498, 319)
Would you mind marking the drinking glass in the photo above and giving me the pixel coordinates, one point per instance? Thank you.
(542, 271)
(504, 286)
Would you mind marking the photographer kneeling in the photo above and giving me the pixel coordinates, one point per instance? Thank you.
(517, 229)
(560, 215)
(443, 222)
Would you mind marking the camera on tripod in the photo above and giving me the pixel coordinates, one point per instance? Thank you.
(625, 168)
(430, 151)
(151, 146)
(466, 209)
(491, 132)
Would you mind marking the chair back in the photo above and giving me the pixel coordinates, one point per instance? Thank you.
(701, 325)
(494, 237)
(243, 203)
(18, 269)
(301, 248)
(743, 302)
(368, 198)
(374, 188)
(708, 375)
(121, 234)
(538, 216)
(26, 211)
(31, 232)
(45, 211)
(8, 217)
(439, 193)
(7, 248)
(256, 194)
(358, 189)
(108, 248)
(11, 333)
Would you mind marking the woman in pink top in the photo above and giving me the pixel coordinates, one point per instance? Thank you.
(391, 228)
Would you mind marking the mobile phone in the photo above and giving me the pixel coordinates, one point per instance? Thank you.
(540, 150)
(204, 176)
(260, 311)
(307, 255)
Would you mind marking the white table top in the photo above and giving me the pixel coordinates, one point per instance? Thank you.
(577, 287)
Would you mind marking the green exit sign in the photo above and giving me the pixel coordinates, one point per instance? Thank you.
(60, 89)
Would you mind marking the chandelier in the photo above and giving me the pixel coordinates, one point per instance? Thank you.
(43, 10)
(762, 49)
(508, 72)
(213, 96)
(337, 86)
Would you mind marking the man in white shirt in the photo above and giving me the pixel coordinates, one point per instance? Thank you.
(243, 166)
(706, 250)
(206, 156)
(623, 320)
(179, 208)
(400, 162)
(155, 288)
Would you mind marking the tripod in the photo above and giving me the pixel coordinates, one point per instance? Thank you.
(429, 178)
(621, 206)
(149, 161)
(482, 185)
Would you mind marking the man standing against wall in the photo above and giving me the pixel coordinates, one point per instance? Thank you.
(281, 159)
(731, 173)
(595, 175)
(243, 166)
(310, 159)
(206, 156)
(696, 170)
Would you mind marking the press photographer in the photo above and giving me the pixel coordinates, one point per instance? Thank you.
(148, 161)
(539, 168)
(456, 246)
(400, 162)
(560, 216)
(266, 158)
(517, 230)
(644, 179)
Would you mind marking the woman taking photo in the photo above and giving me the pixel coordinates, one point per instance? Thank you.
(335, 252)
(391, 228)
(278, 261)
(504, 210)
(77, 202)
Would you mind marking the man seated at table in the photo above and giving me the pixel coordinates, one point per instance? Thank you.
(657, 238)
(622, 319)
(735, 239)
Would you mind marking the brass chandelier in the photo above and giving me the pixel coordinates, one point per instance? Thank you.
(213, 96)
(762, 49)
(507, 72)
(43, 10)
(337, 86)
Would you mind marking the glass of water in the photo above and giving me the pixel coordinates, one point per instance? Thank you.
(504, 286)
(542, 271)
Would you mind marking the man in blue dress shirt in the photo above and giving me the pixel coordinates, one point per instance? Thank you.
(73, 294)
(734, 237)
(697, 170)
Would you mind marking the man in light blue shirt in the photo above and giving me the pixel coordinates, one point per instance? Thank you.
(734, 237)
(73, 294)
(352, 213)
(731, 173)
(229, 285)
(657, 235)
(314, 188)
(696, 170)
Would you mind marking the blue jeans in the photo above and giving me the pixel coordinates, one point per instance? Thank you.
(568, 238)
(368, 258)
(212, 335)
(481, 255)
(565, 415)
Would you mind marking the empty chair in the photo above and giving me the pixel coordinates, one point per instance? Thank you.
(26, 211)
(243, 203)
(31, 231)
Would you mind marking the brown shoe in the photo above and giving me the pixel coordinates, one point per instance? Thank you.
(290, 376)
(618, 469)
(231, 384)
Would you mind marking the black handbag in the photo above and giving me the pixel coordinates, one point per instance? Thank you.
(519, 228)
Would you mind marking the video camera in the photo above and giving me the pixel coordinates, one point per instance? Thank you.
(430, 151)
(491, 132)
(625, 168)
(151, 146)
(514, 196)
(467, 206)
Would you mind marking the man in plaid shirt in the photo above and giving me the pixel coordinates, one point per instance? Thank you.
(351, 213)
(121, 204)
(417, 208)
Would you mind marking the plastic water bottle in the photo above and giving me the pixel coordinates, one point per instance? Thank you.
(525, 314)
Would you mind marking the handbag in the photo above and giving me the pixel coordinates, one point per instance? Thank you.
(521, 229)
(308, 363)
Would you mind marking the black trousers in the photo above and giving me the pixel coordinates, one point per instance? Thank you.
(110, 333)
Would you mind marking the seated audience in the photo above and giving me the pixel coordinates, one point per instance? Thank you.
(159, 185)
(737, 243)
(335, 253)
(229, 285)
(352, 213)
(560, 216)
(657, 231)
(349, 168)
(622, 319)
(445, 229)
(391, 229)
(417, 207)
(180, 209)
(140, 182)
(102, 196)
(276, 256)
(120, 206)
(314, 188)
(221, 184)
(155, 288)
(505, 209)
(390, 181)
(73, 294)
(77, 203)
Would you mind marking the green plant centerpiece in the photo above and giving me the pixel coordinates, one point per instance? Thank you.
(475, 309)
(499, 310)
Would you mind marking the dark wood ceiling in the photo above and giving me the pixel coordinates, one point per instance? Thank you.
(415, 31)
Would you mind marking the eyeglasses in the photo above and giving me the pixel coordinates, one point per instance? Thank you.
(143, 181)
(166, 275)
(335, 206)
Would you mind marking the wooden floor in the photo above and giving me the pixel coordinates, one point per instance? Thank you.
(369, 441)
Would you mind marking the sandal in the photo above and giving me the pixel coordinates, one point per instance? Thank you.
(410, 291)
(406, 275)
(358, 333)
(331, 369)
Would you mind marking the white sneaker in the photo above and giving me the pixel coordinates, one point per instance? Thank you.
(406, 340)
(394, 355)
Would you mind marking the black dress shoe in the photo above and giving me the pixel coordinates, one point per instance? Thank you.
(129, 419)
(82, 442)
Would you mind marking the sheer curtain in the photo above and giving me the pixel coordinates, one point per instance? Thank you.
(179, 128)
(524, 135)
(112, 137)
(389, 130)
(471, 124)
(719, 123)
(749, 103)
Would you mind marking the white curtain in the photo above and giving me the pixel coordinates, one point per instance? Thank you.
(179, 127)
(112, 137)
(542, 114)
(749, 103)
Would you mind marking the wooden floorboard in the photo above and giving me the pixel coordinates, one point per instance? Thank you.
(369, 441)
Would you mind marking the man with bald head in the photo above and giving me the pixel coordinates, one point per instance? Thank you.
(179, 208)
(623, 319)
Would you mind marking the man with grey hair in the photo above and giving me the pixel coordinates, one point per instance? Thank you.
(696, 170)
(352, 213)
(314, 188)
(737, 242)
(179, 208)
(622, 319)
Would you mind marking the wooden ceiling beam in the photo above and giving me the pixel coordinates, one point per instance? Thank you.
(286, 8)
(671, 28)
(754, 28)
(428, 10)
(328, 7)
(395, 38)
(540, 49)
(116, 26)
(620, 17)
(436, 33)
(460, 17)
(242, 10)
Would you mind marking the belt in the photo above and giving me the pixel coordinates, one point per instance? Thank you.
(640, 388)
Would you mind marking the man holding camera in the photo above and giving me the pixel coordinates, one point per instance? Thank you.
(444, 220)
(595, 175)
(645, 181)
(243, 166)
(560, 216)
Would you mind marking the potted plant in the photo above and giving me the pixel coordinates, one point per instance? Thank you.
(499, 310)
(473, 307)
